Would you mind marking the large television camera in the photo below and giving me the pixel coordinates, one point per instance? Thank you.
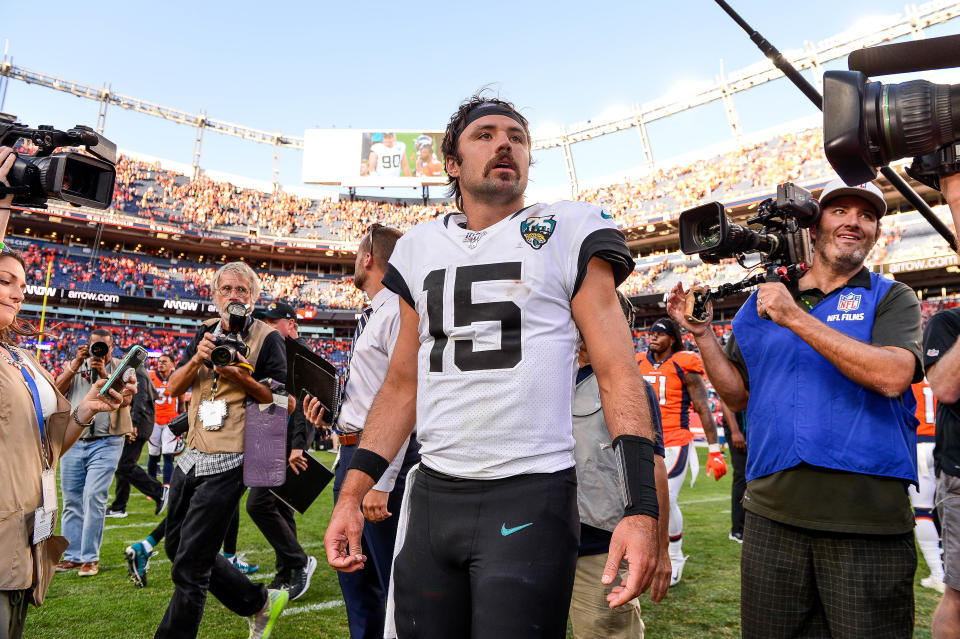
(867, 125)
(77, 178)
(782, 240)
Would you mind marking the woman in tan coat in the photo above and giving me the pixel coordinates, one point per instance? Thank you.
(37, 425)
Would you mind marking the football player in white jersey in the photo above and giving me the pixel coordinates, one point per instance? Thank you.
(388, 158)
(485, 365)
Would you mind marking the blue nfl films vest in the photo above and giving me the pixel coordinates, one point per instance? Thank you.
(803, 409)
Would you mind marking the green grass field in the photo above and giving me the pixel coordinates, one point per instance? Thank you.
(704, 604)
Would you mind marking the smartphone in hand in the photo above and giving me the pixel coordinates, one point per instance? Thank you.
(134, 358)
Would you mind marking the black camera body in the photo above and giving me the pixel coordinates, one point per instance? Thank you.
(783, 241)
(227, 345)
(99, 348)
(867, 125)
(76, 178)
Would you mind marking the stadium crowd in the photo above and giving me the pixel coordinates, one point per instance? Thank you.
(148, 191)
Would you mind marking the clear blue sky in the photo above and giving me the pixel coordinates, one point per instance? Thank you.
(297, 65)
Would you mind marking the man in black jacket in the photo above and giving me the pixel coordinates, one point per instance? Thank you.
(129, 472)
(273, 517)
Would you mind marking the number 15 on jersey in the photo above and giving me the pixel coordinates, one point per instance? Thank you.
(466, 312)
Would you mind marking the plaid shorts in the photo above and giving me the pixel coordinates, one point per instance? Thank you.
(948, 508)
(797, 582)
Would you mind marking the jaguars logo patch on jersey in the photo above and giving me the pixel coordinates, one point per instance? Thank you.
(537, 230)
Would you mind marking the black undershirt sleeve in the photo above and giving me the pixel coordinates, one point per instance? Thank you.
(395, 282)
(272, 360)
(609, 245)
(191, 350)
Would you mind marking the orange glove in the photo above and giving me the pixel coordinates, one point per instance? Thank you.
(716, 464)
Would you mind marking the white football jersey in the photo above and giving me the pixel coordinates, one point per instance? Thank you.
(496, 366)
(389, 158)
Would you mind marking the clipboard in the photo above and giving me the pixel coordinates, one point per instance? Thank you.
(299, 491)
(307, 372)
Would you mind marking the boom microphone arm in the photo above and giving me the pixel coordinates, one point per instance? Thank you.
(808, 90)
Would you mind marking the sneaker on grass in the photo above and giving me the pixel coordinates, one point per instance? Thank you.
(138, 561)
(241, 565)
(162, 504)
(300, 581)
(115, 514)
(262, 623)
(280, 580)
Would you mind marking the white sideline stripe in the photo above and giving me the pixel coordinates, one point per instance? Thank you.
(704, 500)
(121, 526)
(323, 605)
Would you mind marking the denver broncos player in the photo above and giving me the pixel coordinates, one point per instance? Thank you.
(923, 498)
(493, 300)
(162, 441)
(677, 377)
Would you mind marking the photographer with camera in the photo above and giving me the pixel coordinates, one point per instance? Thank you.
(232, 360)
(87, 469)
(828, 544)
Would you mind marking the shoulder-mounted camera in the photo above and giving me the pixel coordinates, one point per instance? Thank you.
(77, 178)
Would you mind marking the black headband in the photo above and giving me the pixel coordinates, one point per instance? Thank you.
(484, 109)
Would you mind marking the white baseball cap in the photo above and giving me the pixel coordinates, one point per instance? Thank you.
(868, 191)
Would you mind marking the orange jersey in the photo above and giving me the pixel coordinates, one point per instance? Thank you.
(166, 405)
(432, 168)
(669, 381)
(926, 408)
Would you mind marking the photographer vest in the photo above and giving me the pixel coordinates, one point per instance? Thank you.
(229, 438)
(803, 409)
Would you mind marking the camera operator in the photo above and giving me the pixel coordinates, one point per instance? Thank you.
(828, 544)
(208, 480)
(88, 467)
(941, 347)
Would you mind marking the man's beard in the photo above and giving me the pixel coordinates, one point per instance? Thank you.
(490, 190)
(359, 279)
(847, 260)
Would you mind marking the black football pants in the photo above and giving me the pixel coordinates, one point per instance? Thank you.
(487, 559)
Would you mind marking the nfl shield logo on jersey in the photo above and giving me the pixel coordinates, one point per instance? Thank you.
(848, 302)
(537, 230)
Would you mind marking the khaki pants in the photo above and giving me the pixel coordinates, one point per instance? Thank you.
(589, 612)
(13, 613)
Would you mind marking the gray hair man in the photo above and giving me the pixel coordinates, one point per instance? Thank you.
(208, 481)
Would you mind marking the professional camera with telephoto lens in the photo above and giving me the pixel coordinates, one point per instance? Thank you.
(229, 344)
(782, 240)
(99, 348)
(76, 178)
(867, 125)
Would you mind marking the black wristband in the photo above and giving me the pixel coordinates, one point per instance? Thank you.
(637, 479)
(367, 461)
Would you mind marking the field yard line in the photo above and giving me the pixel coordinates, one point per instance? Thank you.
(704, 500)
(323, 605)
(147, 524)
